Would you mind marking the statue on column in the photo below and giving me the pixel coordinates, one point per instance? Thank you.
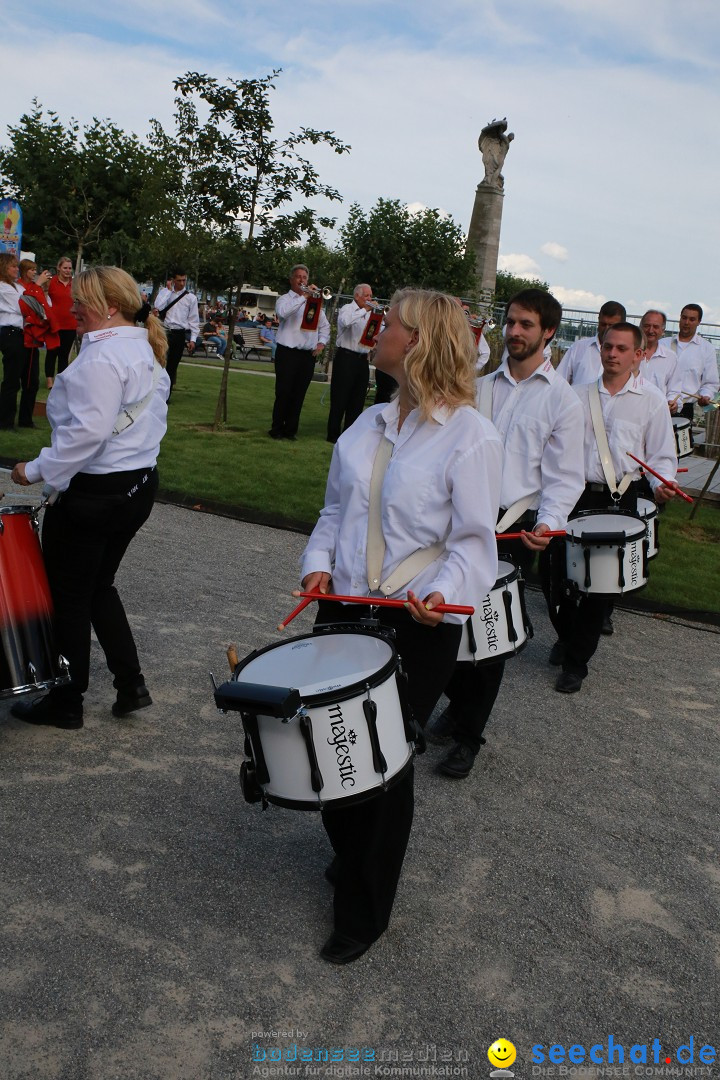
(494, 145)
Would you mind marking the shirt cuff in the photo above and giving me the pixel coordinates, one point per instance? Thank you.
(315, 562)
(32, 472)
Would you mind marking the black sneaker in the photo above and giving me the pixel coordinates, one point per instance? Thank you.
(458, 763)
(45, 710)
(129, 701)
(440, 729)
(568, 683)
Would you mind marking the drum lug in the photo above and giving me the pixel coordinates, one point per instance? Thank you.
(64, 666)
(32, 673)
(316, 780)
(370, 710)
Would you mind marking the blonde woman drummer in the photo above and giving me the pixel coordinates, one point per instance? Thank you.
(441, 484)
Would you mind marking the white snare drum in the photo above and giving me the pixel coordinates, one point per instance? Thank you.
(682, 427)
(325, 717)
(606, 551)
(648, 511)
(500, 626)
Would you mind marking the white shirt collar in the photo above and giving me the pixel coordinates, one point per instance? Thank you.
(546, 371)
(634, 385)
(116, 331)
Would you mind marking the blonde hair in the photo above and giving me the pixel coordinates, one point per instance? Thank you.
(105, 286)
(440, 366)
(6, 260)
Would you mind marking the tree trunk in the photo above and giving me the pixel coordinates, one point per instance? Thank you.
(221, 413)
(78, 257)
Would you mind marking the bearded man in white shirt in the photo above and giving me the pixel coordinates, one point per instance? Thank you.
(295, 355)
(636, 420)
(696, 374)
(540, 423)
(581, 363)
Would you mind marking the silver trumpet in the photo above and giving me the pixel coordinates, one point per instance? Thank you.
(314, 294)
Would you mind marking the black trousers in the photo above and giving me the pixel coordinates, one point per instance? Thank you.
(293, 374)
(61, 355)
(13, 355)
(30, 383)
(579, 617)
(385, 387)
(473, 689)
(350, 378)
(370, 838)
(85, 535)
(176, 347)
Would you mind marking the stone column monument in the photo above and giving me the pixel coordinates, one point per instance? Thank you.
(484, 233)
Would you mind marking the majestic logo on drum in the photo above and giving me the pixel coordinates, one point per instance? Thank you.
(634, 566)
(491, 619)
(341, 740)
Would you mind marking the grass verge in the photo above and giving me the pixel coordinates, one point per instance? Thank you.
(283, 483)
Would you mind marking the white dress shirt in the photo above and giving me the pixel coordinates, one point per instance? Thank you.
(289, 309)
(697, 368)
(660, 368)
(113, 369)
(181, 316)
(483, 354)
(637, 420)
(10, 313)
(351, 322)
(541, 427)
(442, 484)
(581, 363)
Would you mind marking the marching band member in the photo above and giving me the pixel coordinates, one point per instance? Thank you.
(350, 368)
(540, 423)
(108, 413)
(658, 362)
(295, 355)
(581, 363)
(438, 500)
(636, 419)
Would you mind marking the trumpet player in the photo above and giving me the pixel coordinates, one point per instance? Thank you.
(296, 353)
(351, 367)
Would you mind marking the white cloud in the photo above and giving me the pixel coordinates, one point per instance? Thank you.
(555, 251)
(420, 208)
(522, 265)
(577, 298)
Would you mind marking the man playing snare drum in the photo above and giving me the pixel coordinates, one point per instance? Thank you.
(540, 422)
(636, 420)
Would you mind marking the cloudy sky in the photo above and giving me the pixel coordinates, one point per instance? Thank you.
(611, 182)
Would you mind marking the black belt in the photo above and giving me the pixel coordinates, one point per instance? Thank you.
(11, 329)
(603, 489)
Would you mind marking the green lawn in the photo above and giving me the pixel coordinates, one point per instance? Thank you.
(285, 481)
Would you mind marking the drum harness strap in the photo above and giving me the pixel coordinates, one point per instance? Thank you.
(598, 423)
(408, 568)
(518, 508)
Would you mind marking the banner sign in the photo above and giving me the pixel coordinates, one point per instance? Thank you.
(10, 227)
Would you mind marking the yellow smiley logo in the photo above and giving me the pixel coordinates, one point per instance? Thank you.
(502, 1053)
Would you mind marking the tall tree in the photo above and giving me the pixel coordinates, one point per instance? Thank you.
(392, 247)
(240, 178)
(82, 190)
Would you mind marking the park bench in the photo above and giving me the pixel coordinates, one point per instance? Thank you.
(247, 340)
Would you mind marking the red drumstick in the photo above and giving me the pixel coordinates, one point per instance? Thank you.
(518, 535)
(667, 483)
(381, 601)
(309, 597)
(682, 470)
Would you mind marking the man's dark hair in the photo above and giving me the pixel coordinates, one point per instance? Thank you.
(693, 307)
(638, 336)
(179, 272)
(613, 308)
(542, 303)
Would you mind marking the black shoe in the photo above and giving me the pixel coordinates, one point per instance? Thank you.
(557, 654)
(458, 763)
(290, 438)
(130, 700)
(440, 730)
(44, 710)
(332, 871)
(568, 683)
(339, 949)
(29, 424)
(607, 627)
(274, 435)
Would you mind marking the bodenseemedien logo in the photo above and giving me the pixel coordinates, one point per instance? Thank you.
(501, 1054)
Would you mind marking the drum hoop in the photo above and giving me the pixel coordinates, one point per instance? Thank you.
(341, 693)
(488, 661)
(575, 538)
(29, 510)
(652, 510)
(681, 422)
(348, 800)
(46, 684)
(506, 579)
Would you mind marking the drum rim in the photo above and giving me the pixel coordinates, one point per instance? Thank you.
(348, 800)
(341, 693)
(44, 684)
(488, 661)
(573, 538)
(18, 509)
(506, 579)
(652, 512)
(681, 422)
